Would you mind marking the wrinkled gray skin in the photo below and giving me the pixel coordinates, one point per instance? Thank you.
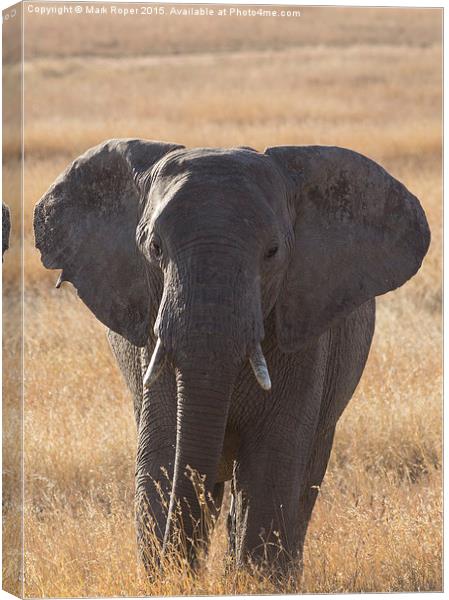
(212, 252)
(6, 228)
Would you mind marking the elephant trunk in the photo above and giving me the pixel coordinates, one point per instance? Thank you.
(203, 402)
(208, 324)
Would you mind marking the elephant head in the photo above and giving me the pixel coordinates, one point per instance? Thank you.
(191, 251)
(6, 228)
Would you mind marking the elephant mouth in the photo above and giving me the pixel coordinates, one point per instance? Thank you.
(256, 359)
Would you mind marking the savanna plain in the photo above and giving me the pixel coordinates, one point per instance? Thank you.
(367, 79)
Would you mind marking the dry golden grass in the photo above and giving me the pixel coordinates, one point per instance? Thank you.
(366, 79)
(87, 35)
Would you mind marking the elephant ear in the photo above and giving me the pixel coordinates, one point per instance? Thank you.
(358, 233)
(86, 224)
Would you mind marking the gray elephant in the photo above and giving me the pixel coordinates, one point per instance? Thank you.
(238, 289)
(6, 228)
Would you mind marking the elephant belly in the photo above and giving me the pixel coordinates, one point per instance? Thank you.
(228, 456)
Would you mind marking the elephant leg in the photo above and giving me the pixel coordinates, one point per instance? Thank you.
(268, 481)
(315, 473)
(231, 527)
(264, 522)
(217, 499)
(154, 466)
(215, 508)
(217, 496)
(273, 502)
(231, 524)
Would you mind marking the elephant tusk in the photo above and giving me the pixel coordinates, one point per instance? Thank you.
(259, 365)
(61, 279)
(156, 364)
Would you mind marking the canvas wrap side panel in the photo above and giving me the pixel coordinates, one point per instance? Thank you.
(12, 302)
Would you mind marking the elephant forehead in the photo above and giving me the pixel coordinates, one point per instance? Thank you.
(216, 180)
(227, 166)
(213, 207)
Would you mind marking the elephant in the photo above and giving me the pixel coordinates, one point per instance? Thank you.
(238, 290)
(6, 228)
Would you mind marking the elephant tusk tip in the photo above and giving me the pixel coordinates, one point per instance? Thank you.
(155, 367)
(147, 382)
(259, 366)
(149, 379)
(267, 386)
(59, 282)
(264, 382)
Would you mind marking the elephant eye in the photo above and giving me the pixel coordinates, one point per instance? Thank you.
(272, 252)
(155, 249)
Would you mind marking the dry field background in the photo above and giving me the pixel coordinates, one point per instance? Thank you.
(368, 79)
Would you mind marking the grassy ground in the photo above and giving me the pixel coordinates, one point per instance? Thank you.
(366, 79)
